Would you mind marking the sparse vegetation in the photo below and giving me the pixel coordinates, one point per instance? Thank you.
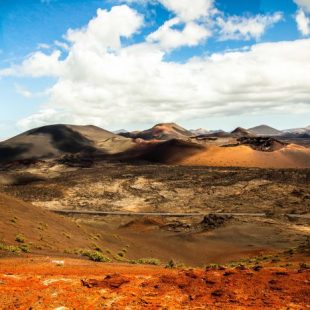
(146, 261)
(14, 219)
(10, 248)
(95, 256)
(171, 264)
(15, 249)
(25, 248)
(97, 248)
(20, 238)
(304, 266)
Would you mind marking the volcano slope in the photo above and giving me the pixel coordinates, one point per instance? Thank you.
(291, 156)
(31, 229)
(56, 141)
(162, 131)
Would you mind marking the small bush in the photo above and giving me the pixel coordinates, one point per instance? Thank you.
(25, 248)
(304, 266)
(146, 261)
(20, 238)
(171, 264)
(11, 248)
(95, 256)
(212, 266)
(119, 258)
(97, 247)
(15, 249)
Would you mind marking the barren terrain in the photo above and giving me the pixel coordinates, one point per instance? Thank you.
(44, 283)
(157, 188)
(181, 205)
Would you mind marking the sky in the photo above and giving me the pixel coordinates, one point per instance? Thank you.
(133, 63)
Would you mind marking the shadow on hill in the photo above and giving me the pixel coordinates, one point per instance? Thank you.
(8, 153)
(65, 139)
(170, 151)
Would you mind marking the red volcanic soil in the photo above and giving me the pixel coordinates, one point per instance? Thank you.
(41, 283)
(291, 156)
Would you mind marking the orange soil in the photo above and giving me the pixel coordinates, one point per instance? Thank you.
(38, 283)
(292, 156)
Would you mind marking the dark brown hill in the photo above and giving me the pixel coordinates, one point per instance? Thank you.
(55, 141)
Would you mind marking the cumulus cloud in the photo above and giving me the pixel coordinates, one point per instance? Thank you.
(246, 28)
(303, 22)
(305, 4)
(107, 83)
(189, 10)
(107, 29)
(37, 64)
(169, 38)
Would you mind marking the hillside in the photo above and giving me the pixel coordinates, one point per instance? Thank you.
(162, 131)
(242, 132)
(43, 231)
(55, 141)
(264, 130)
(170, 151)
(291, 156)
(303, 130)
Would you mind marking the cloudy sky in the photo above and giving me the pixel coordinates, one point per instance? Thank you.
(132, 63)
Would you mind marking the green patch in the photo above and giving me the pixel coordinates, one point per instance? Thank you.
(95, 256)
(20, 238)
(146, 261)
(15, 249)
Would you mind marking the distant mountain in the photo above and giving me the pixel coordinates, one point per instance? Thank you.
(162, 131)
(265, 130)
(218, 134)
(304, 130)
(117, 132)
(242, 132)
(199, 131)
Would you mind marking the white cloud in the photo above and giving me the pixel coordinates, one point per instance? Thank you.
(244, 28)
(43, 46)
(61, 45)
(305, 4)
(23, 91)
(303, 22)
(169, 38)
(104, 83)
(37, 64)
(107, 29)
(188, 10)
(41, 118)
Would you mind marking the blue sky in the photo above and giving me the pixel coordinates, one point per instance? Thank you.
(28, 27)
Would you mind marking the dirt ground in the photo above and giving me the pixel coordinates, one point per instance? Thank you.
(50, 275)
(160, 188)
(48, 283)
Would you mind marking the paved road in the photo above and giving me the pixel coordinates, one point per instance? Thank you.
(168, 214)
